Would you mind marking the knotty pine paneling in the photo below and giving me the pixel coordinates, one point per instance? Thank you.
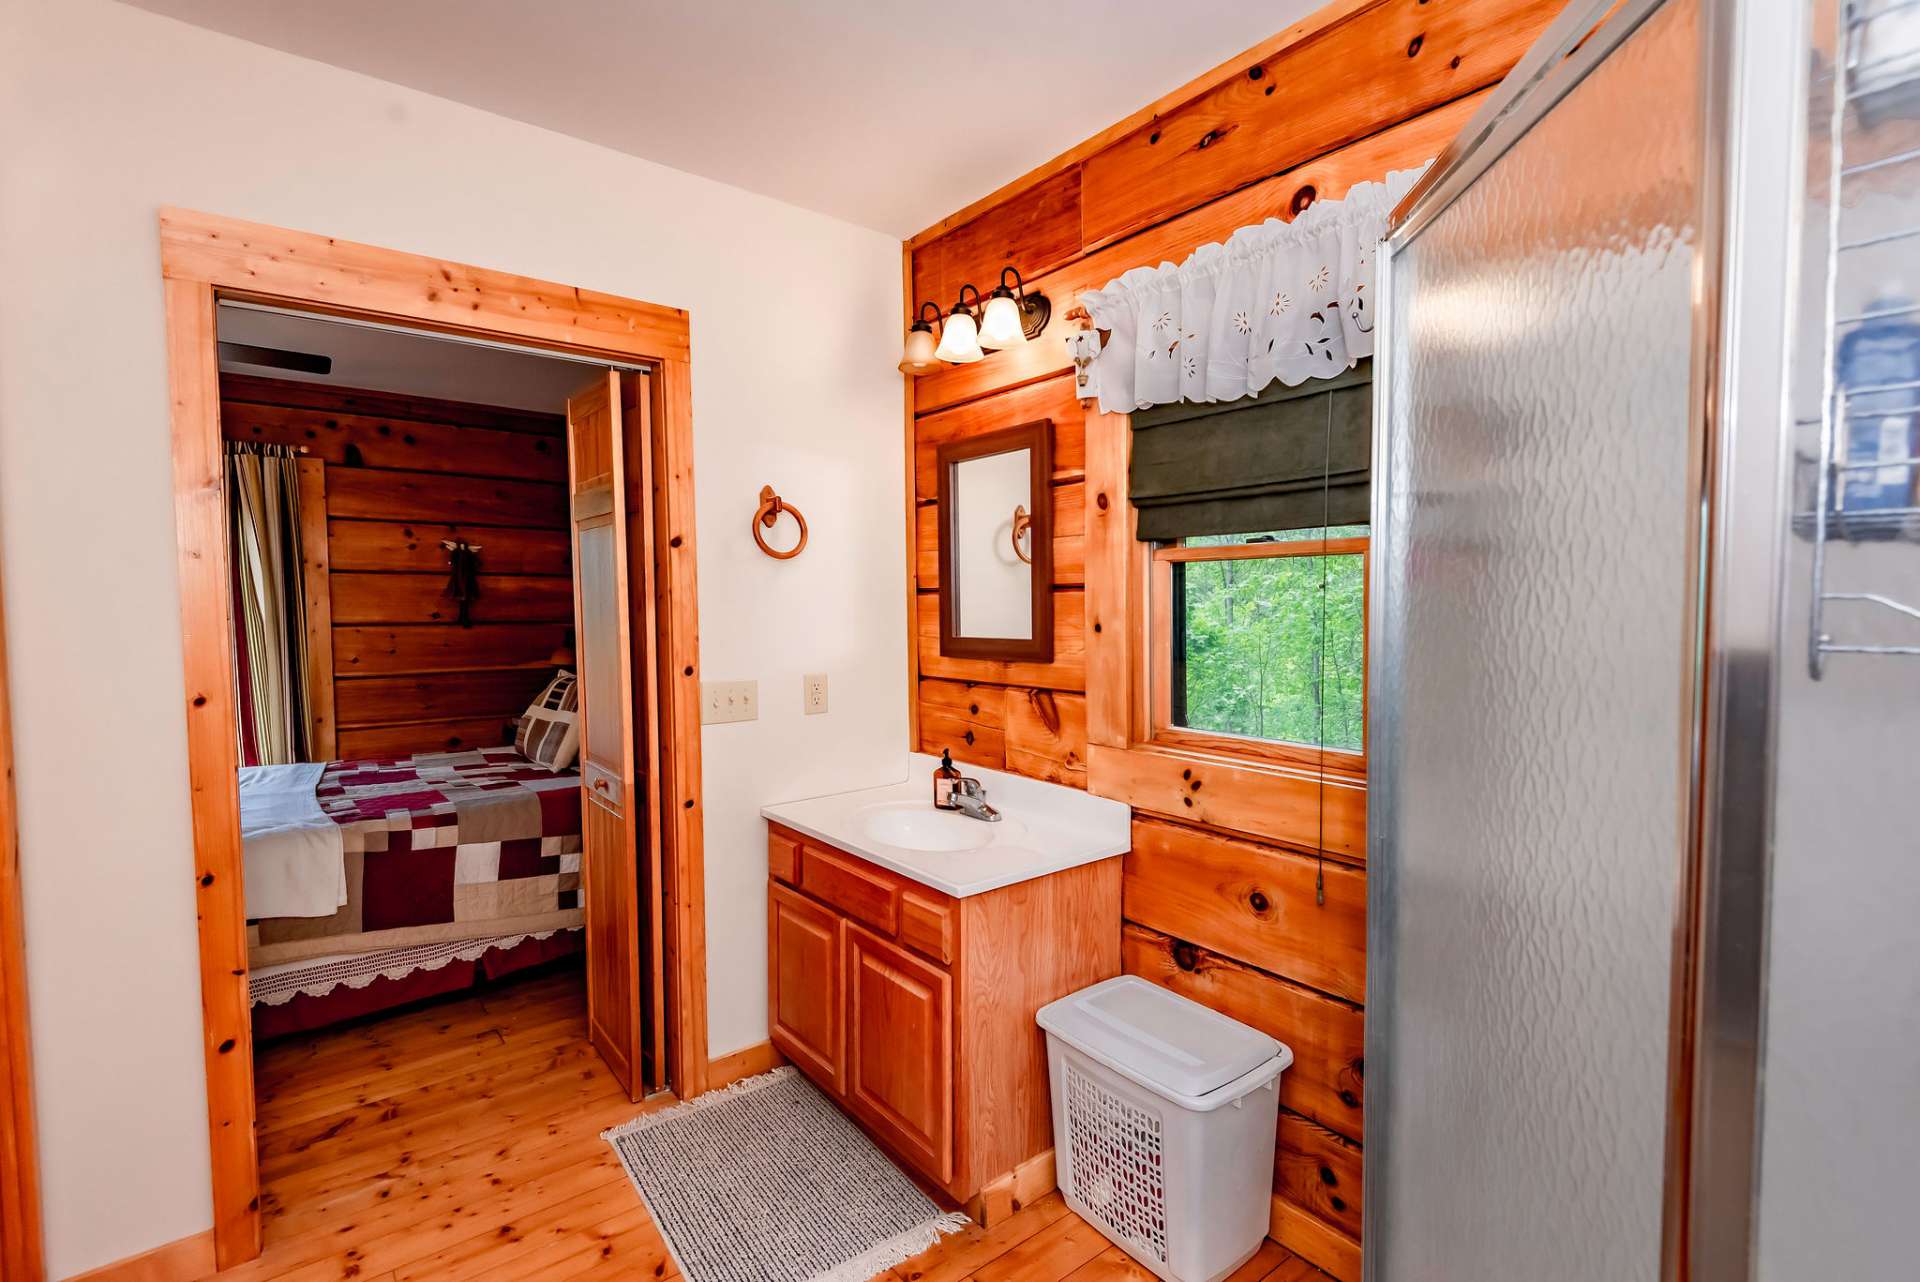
(1403, 146)
(979, 704)
(422, 598)
(415, 546)
(1068, 671)
(356, 440)
(1225, 919)
(1047, 735)
(1251, 902)
(359, 742)
(972, 742)
(1052, 400)
(1312, 1239)
(1034, 232)
(423, 648)
(1295, 808)
(965, 719)
(1386, 64)
(247, 388)
(381, 494)
(1038, 733)
(402, 475)
(437, 696)
(1326, 1082)
(1320, 1172)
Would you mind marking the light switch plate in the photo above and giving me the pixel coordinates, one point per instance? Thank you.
(813, 693)
(722, 701)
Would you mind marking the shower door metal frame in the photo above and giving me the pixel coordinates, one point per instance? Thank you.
(1727, 678)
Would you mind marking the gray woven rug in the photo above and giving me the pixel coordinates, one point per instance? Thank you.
(767, 1181)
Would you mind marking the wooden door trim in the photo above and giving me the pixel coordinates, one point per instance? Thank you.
(20, 1243)
(205, 257)
(316, 576)
(643, 625)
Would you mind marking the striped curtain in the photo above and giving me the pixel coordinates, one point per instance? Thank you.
(270, 616)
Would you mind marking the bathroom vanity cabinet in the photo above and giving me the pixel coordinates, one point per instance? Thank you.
(914, 1008)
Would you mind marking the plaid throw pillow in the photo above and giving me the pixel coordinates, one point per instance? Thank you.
(549, 733)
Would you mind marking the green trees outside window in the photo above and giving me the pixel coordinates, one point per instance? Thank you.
(1272, 647)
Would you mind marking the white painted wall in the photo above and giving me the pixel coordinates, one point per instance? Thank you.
(1840, 1134)
(108, 112)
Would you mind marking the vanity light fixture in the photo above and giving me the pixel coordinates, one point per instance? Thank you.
(960, 336)
(919, 357)
(1012, 316)
(1008, 317)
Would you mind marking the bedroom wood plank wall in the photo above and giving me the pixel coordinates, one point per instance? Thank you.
(400, 474)
(1227, 918)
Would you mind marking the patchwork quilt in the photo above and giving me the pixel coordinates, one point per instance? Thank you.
(441, 846)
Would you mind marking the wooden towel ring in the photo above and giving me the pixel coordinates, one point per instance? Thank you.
(771, 506)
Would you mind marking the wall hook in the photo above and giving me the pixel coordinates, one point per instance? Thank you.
(771, 506)
(463, 560)
(1022, 528)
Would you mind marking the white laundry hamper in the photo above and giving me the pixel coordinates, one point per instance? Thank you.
(1163, 1124)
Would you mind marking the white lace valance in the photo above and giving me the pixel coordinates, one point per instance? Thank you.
(1290, 301)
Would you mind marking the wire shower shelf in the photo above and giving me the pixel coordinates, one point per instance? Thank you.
(1876, 63)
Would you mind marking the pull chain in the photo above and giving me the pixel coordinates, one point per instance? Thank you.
(1320, 662)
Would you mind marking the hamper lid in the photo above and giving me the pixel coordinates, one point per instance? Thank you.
(1158, 1038)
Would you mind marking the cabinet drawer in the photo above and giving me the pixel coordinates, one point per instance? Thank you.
(783, 857)
(926, 924)
(863, 893)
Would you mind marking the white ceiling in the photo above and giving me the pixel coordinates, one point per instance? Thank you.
(887, 114)
(414, 364)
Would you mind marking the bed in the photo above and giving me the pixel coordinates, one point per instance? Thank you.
(401, 878)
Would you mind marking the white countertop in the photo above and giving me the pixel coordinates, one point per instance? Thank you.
(1044, 828)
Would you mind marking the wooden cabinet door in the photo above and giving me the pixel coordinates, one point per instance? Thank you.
(806, 1002)
(900, 1050)
(603, 644)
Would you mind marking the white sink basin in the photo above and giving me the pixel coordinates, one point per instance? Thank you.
(1046, 829)
(916, 825)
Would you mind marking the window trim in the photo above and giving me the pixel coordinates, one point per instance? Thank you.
(1292, 796)
(1157, 652)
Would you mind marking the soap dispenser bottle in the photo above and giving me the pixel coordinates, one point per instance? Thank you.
(945, 780)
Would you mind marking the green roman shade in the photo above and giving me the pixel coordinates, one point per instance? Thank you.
(1291, 458)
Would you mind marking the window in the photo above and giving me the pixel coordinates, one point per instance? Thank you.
(1227, 671)
(1262, 639)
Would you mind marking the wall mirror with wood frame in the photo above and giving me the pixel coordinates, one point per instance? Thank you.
(996, 545)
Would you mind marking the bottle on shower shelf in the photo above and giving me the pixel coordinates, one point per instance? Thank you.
(1879, 369)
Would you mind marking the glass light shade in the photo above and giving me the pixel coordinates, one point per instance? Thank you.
(959, 339)
(1000, 325)
(918, 357)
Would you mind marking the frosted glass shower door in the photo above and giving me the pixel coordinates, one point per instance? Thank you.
(1534, 640)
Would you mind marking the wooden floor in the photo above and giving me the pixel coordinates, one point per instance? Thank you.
(461, 1142)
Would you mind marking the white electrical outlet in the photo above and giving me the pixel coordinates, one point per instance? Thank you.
(722, 701)
(813, 693)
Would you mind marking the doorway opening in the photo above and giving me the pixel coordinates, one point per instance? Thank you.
(440, 654)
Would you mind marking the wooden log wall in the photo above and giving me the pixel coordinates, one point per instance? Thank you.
(399, 474)
(1231, 919)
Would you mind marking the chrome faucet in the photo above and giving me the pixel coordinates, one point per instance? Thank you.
(970, 799)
